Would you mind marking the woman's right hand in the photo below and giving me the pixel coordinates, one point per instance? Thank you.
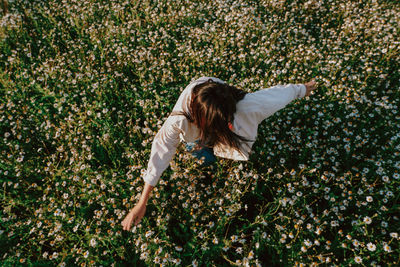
(310, 86)
(134, 216)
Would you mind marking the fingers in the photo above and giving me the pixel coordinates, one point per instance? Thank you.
(134, 217)
(124, 225)
(137, 221)
(312, 85)
(127, 223)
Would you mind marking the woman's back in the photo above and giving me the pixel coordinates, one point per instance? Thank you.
(250, 112)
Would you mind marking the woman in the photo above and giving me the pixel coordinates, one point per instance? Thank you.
(219, 119)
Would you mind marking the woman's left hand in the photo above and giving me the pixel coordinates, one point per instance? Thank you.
(310, 86)
(134, 216)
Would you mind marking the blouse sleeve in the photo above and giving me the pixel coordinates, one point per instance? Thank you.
(162, 150)
(270, 100)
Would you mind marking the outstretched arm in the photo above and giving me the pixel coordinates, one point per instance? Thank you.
(162, 150)
(270, 100)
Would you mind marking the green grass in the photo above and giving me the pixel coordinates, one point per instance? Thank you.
(85, 86)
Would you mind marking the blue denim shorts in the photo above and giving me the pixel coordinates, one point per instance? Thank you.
(205, 153)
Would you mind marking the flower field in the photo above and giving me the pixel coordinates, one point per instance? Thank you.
(85, 86)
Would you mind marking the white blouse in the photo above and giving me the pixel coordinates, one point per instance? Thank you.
(250, 112)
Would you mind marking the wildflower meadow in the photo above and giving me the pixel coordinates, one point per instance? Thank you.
(86, 84)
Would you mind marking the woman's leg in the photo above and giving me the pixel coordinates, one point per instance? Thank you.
(205, 153)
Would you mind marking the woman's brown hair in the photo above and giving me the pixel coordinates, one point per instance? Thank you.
(211, 109)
